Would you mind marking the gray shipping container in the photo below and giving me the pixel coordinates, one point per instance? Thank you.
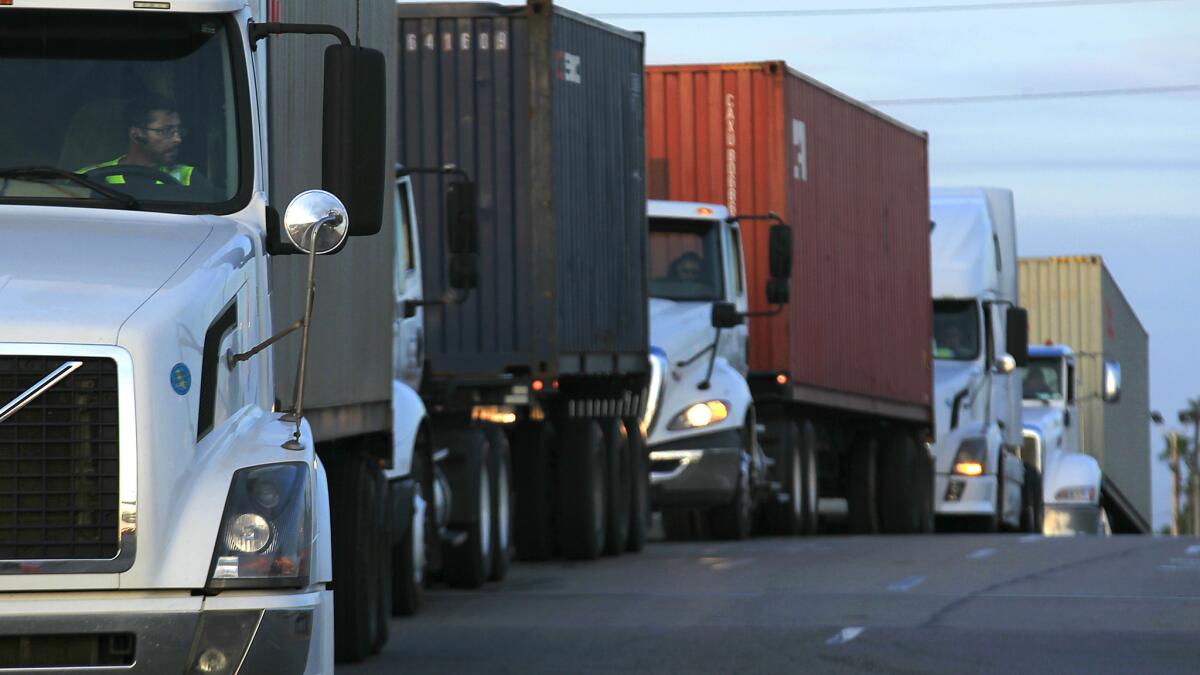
(543, 109)
(348, 391)
(1074, 300)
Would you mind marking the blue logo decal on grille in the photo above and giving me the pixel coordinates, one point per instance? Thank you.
(181, 379)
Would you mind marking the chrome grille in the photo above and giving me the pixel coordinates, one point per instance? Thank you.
(59, 461)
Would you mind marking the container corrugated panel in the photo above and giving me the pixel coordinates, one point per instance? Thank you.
(350, 352)
(1074, 300)
(760, 137)
(543, 109)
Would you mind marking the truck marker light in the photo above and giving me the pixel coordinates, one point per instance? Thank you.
(781, 379)
(6, 3)
(538, 385)
(968, 468)
(704, 211)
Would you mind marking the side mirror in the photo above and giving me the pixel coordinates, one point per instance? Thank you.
(778, 291)
(1006, 364)
(354, 134)
(725, 315)
(462, 232)
(323, 210)
(1112, 382)
(1016, 337)
(779, 247)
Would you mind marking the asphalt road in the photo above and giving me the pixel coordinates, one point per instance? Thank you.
(927, 604)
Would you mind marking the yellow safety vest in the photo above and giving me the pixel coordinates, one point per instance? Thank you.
(180, 172)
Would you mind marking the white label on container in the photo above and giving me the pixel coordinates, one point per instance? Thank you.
(464, 42)
(410, 42)
(484, 42)
(731, 154)
(430, 42)
(800, 141)
(568, 67)
(447, 42)
(501, 40)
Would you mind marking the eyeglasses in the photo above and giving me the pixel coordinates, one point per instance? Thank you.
(167, 132)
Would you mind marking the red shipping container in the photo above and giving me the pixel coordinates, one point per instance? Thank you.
(852, 182)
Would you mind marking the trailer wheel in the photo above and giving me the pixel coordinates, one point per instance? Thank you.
(861, 486)
(796, 457)
(639, 499)
(469, 564)
(734, 520)
(583, 490)
(500, 473)
(408, 556)
(903, 487)
(1032, 514)
(620, 486)
(356, 491)
(534, 480)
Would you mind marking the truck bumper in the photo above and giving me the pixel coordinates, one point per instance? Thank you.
(143, 632)
(957, 495)
(696, 472)
(1066, 520)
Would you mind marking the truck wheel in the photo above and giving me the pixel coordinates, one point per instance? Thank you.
(639, 498)
(583, 490)
(734, 520)
(903, 488)
(1031, 515)
(620, 486)
(356, 489)
(679, 525)
(862, 488)
(500, 473)
(534, 480)
(408, 556)
(469, 564)
(796, 458)
(383, 593)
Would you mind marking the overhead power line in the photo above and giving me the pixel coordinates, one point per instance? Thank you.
(1081, 93)
(856, 11)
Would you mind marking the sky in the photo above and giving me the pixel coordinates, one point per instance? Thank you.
(1117, 176)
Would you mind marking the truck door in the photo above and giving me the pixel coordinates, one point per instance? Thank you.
(735, 341)
(408, 328)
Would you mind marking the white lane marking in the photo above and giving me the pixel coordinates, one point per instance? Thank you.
(906, 584)
(847, 634)
(1181, 564)
(980, 554)
(1193, 550)
(1030, 538)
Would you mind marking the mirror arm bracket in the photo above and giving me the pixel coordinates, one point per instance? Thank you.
(450, 297)
(259, 31)
(772, 312)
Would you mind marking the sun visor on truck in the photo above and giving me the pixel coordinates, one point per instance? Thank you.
(353, 134)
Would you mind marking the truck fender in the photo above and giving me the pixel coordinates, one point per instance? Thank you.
(1069, 469)
(322, 555)
(408, 414)
(727, 384)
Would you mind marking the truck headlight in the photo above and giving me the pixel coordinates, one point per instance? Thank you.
(971, 456)
(265, 538)
(700, 415)
(1082, 494)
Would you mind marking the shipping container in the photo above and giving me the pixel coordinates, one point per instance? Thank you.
(349, 381)
(1074, 300)
(853, 183)
(542, 108)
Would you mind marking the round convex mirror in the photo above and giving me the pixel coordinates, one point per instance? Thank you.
(306, 210)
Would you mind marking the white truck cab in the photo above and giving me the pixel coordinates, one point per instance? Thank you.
(158, 512)
(979, 344)
(1072, 480)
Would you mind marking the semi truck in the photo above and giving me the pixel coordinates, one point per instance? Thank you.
(199, 453)
(980, 343)
(1072, 483)
(818, 411)
(527, 121)
(1074, 300)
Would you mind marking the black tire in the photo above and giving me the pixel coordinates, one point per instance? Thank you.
(500, 470)
(383, 593)
(356, 488)
(679, 525)
(734, 520)
(620, 486)
(583, 489)
(862, 486)
(408, 556)
(534, 480)
(1033, 507)
(795, 455)
(904, 489)
(469, 564)
(639, 501)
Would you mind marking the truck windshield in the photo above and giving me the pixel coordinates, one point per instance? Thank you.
(141, 104)
(1042, 380)
(956, 330)
(685, 259)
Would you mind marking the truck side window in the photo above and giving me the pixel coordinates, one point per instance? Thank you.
(735, 260)
(404, 252)
(988, 331)
(1070, 383)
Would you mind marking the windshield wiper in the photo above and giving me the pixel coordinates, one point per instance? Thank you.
(44, 172)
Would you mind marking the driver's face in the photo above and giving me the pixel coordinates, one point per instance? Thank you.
(689, 270)
(163, 137)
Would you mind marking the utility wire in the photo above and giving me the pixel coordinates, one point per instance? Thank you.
(856, 11)
(1045, 95)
